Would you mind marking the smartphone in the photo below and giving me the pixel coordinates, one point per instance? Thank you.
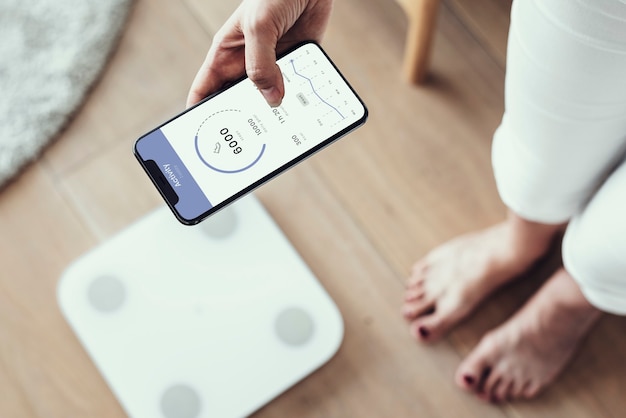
(232, 142)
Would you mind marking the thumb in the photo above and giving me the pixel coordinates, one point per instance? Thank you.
(261, 67)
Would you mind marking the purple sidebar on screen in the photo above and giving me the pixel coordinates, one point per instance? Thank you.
(192, 202)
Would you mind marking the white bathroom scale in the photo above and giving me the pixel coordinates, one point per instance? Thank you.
(213, 320)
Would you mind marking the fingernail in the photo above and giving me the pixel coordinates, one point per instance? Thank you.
(271, 95)
(468, 379)
(423, 332)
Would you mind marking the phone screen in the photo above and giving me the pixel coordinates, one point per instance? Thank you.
(234, 141)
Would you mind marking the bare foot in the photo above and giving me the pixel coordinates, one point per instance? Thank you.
(525, 354)
(447, 284)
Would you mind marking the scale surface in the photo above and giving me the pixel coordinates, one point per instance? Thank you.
(194, 322)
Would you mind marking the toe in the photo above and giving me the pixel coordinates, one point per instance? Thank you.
(413, 293)
(474, 371)
(415, 308)
(423, 329)
(501, 393)
(531, 390)
(418, 273)
(466, 381)
(480, 365)
(490, 386)
(515, 390)
(420, 332)
(434, 326)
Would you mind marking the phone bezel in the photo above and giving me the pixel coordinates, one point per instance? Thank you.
(306, 154)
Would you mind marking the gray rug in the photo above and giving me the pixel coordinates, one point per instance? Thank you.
(51, 53)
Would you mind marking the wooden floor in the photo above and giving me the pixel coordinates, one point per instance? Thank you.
(360, 213)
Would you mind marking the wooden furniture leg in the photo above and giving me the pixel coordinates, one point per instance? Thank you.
(422, 15)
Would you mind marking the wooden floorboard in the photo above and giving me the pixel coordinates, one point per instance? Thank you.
(436, 138)
(359, 213)
(48, 372)
(488, 23)
(379, 371)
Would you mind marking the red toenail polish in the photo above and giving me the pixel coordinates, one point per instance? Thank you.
(423, 332)
(468, 379)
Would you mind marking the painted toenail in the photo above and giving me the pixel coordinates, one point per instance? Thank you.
(423, 332)
(468, 379)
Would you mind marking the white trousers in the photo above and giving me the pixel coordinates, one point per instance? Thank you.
(559, 153)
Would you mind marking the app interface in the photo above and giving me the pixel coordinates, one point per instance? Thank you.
(234, 139)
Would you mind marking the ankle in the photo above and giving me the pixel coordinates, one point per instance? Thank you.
(572, 300)
(561, 303)
(531, 239)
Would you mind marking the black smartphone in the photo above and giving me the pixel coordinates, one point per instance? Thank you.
(232, 142)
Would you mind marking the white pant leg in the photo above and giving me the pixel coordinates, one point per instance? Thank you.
(564, 125)
(594, 246)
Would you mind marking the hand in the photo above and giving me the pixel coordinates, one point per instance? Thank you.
(249, 41)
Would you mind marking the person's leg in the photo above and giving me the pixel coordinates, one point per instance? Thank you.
(583, 110)
(564, 123)
(562, 130)
(594, 246)
(524, 355)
